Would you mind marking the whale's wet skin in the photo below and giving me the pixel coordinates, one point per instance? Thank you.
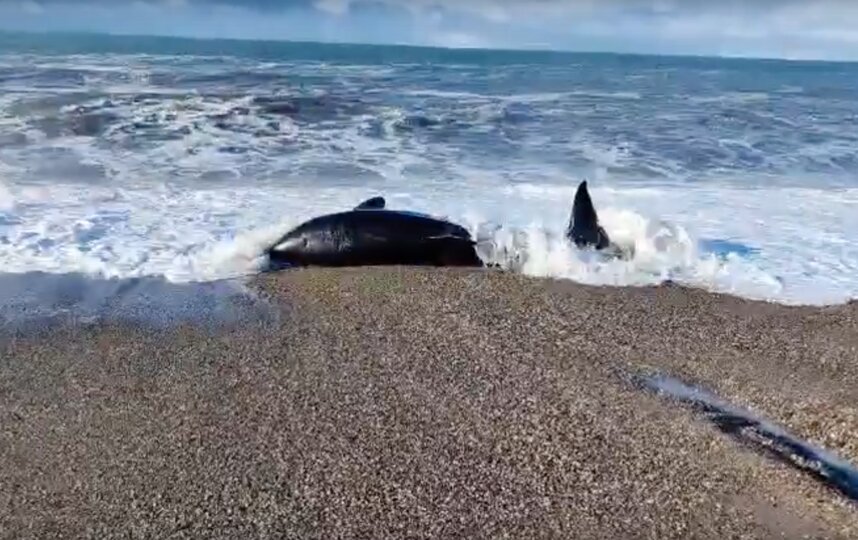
(761, 434)
(371, 235)
(185, 162)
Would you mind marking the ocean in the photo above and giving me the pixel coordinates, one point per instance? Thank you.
(177, 161)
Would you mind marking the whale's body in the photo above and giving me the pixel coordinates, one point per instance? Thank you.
(370, 235)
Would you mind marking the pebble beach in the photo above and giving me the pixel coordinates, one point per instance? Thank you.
(428, 403)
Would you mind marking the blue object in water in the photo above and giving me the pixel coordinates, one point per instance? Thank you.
(723, 247)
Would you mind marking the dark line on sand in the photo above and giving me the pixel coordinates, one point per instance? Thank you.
(761, 435)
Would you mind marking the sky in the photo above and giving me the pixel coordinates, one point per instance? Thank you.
(793, 29)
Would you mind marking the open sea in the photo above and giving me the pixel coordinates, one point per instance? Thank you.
(171, 161)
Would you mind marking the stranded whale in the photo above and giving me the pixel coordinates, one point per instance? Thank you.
(372, 235)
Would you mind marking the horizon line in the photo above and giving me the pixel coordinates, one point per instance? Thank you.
(481, 49)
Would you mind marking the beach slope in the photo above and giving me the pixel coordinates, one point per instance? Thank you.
(426, 403)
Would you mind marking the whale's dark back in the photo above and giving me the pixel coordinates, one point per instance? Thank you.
(376, 237)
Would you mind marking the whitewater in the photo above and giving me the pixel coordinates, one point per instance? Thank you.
(178, 159)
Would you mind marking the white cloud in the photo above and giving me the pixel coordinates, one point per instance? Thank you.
(334, 7)
(785, 28)
(759, 27)
(458, 40)
(31, 7)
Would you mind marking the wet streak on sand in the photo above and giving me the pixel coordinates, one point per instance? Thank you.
(762, 435)
(40, 301)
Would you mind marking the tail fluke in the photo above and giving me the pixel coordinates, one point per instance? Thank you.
(583, 228)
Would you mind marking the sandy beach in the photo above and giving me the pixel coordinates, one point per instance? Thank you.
(427, 403)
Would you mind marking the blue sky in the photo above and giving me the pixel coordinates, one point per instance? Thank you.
(801, 29)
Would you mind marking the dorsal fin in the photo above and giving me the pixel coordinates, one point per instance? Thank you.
(583, 228)
(375, 203)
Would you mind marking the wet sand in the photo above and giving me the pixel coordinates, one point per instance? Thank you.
(412, 403)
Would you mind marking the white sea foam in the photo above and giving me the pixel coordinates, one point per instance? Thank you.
(7, 198)
(791, 245)
(767, 250)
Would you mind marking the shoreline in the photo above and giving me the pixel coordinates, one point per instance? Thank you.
(440, 401)
(31, 299)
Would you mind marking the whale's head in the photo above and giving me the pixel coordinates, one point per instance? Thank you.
(317, 241)
(298, 246)
(289, 250)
